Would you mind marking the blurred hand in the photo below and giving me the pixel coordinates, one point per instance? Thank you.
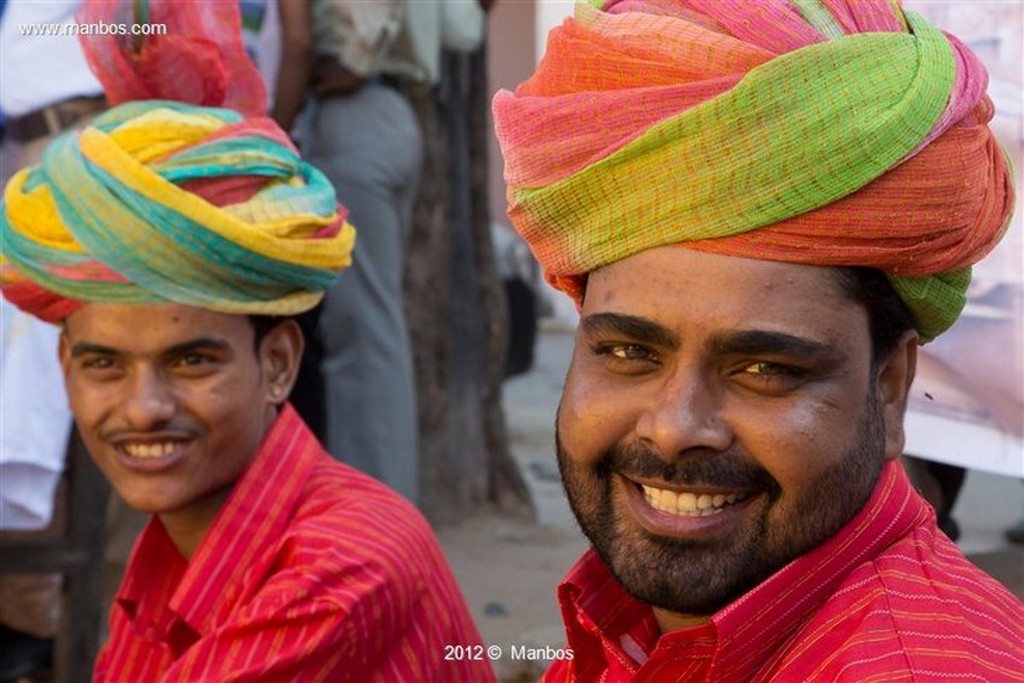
(330, 77)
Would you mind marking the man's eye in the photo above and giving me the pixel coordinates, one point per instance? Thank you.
(99, 363)
(631, 354)
(100, 368)
(772, 377)
(193, 360)
(768, 368)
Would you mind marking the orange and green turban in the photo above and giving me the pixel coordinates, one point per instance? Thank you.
(820, 132)
(164, 201)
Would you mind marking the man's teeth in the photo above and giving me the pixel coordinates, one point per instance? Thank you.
(149, 450)
(687, 503)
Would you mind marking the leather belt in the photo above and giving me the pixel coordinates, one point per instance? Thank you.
(52, 119)
(388, 80)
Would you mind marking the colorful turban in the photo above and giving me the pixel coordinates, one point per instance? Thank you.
(162, 201)
(821, 132)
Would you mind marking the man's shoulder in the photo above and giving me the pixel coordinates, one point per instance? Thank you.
(335, 490)
(918, 607)
(925, 570)
(345, 518)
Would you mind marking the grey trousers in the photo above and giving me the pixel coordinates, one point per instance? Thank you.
(369, 145)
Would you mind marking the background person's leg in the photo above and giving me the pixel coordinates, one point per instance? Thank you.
(369, 145)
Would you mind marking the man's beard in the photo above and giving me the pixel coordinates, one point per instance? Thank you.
(698, 576)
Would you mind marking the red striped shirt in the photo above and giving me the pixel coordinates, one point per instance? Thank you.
(311, 571)
(889, 598)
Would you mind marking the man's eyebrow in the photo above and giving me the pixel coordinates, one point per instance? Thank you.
(633, 327)
(202, 343)
(83, 348)
(764, 341)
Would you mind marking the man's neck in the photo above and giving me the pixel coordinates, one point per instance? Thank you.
(673, 621)
(186, 527)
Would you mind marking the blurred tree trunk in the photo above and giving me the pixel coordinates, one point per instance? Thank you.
(455, 305)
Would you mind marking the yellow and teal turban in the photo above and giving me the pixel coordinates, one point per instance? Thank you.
(184, 192)
(823, 132)
(161, 201)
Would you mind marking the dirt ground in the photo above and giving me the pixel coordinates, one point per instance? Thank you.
(508, 571)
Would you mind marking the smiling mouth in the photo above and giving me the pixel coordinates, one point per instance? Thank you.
(688, 503)
(150, 450)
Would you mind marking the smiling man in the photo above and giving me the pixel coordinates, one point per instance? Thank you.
(173, 244)
(761, 209)
(172, 401)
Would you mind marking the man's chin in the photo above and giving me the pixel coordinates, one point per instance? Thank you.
(693, 600)
(686, 577)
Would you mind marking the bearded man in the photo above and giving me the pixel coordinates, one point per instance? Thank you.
(761, 209)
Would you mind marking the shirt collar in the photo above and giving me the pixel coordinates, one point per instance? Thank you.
(600, 615)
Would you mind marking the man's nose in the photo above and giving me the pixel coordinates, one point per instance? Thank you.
(685, 413)
(149, 402)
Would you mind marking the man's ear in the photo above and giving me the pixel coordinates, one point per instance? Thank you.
(64, 354)
(280, 353)
(895, 373)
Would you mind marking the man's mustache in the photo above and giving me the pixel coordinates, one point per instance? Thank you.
(695, 467)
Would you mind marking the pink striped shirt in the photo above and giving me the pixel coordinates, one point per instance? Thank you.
(311, 571)
(889, 598)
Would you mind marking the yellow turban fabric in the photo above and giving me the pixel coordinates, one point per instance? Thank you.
(824, 132)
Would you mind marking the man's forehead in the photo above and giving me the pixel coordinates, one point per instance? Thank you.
(668, 265)
(128, 325)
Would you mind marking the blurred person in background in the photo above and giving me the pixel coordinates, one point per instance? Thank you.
(363, 134)
(344, 66)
